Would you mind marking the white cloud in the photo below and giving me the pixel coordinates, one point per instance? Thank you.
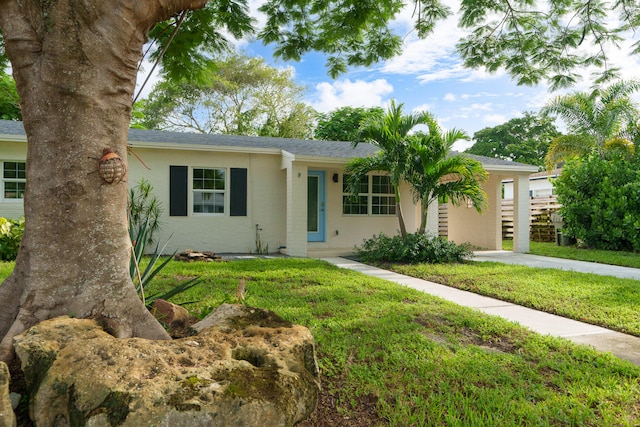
(421, 108)
(495, 119)
(479, 95)
(432, 58)
(450, 97)
(487, 106)
(462, 144)
(331, 95)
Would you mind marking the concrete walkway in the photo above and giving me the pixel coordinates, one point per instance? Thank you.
(624, 346)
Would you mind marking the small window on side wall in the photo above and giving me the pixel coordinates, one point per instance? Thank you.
(209, 187)
(14, 180)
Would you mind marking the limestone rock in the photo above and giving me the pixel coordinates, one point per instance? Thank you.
(250, 374)
(191, 255)
(169, 313)
(7, 416)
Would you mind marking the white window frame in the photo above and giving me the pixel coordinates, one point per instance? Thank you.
(369, 194)
(390, 207)
(16, 180)
(346, 196)
(211, 191)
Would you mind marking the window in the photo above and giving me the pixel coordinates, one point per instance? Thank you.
(383, 199)
(208, 190)
(14, 179)
(376, 196)
(352, 204)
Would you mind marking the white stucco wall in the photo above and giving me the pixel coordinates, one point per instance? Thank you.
(484, 229)
(11, 151)
(346, 231)
(277, 202)
(342, 232)
(538, 187)
(296, 219)
(266, 202)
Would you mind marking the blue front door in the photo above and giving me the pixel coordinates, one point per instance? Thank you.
(315, 206)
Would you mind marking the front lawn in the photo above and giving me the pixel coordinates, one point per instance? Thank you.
(600, 300)
(390, 355)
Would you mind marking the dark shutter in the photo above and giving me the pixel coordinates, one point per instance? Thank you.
(178, 187)
(238, 199)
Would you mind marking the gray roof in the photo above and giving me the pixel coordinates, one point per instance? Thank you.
(10, 127)
(335, 149)
(304, 147)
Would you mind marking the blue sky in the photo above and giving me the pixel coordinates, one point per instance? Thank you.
(429, 75)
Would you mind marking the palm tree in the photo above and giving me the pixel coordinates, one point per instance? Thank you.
(603, 118)
(390, 134)
(435, 173)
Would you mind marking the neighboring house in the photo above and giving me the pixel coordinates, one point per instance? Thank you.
(540, 184)
(222, 193)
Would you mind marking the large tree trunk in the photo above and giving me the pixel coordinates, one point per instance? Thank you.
(75, 65)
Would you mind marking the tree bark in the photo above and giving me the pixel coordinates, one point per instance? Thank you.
(75, 65)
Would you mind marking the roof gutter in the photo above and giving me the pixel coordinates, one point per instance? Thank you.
(203, 147)
(13, 138)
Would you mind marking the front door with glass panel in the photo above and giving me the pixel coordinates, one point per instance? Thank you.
(315, 206)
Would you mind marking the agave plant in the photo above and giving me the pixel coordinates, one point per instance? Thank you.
(140, 230)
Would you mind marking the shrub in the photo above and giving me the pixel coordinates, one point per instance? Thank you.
(10, 236)
(601, 202)
(414, 248)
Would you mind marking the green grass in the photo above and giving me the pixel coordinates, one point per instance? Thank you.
(601, 300)
(424, 361)
(625, 259)
(6, 268)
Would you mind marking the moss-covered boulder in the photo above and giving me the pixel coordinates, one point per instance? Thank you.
(234, 372)
(7, 416)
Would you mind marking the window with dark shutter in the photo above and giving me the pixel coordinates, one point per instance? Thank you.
(178, 190)
(238, 198)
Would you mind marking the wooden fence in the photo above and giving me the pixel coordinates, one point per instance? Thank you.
(443, 220)
(541, 226)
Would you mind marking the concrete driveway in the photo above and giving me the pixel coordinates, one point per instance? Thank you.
(508, 257)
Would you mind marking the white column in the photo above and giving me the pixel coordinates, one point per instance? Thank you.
(521, 213)
(493, 214)
(296, 210)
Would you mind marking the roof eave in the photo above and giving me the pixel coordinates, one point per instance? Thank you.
(13, 138)
(511, 168)
(203, 147)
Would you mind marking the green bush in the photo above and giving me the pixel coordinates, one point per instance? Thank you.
(10, 236)
(413, 249)
(601, 202)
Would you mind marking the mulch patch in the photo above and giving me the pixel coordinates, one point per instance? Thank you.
(328, 415)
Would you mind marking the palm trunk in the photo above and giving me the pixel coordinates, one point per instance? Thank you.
(424, 211)
(403, 227)
(75, 66)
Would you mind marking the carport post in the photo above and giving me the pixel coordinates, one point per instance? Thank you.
(521, 213)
